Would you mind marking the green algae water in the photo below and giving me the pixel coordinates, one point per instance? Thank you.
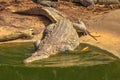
(85, 63)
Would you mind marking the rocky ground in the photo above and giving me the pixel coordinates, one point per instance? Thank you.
(100, 21)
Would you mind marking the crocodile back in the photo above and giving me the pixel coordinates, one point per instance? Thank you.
(63, 37)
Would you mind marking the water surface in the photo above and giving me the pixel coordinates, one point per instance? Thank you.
(85, 63)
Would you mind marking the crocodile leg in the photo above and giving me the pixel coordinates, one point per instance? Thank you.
(47, 30)
(37, 44)
(80, 26)
(82, 30)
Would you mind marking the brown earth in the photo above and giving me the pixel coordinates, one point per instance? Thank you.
(10, 22)
(100, 21)
(108, 27)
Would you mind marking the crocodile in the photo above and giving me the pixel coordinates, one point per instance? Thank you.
(59, 36)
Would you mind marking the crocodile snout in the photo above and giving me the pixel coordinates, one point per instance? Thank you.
(35, 58)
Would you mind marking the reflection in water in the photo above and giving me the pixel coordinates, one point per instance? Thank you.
(89, 63)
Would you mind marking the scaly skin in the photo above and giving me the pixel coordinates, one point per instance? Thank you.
(59, 36)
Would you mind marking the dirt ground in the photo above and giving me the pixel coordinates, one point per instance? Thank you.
(10, 22)
(100, 21)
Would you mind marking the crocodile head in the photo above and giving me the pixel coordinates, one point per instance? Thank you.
(35, 57)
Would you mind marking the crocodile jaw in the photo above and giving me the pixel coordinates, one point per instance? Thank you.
(35, 57)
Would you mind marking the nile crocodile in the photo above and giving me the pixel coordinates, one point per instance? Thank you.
(59, 36)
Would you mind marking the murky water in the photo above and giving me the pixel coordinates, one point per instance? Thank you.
(85, 63)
